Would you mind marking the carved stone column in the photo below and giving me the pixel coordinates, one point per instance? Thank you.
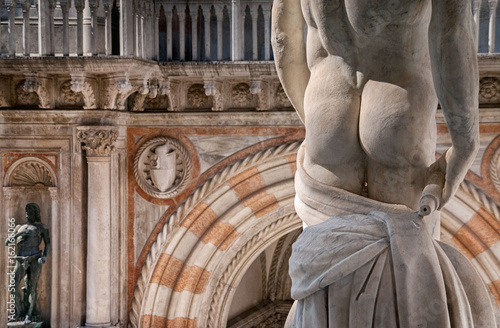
(98, 145)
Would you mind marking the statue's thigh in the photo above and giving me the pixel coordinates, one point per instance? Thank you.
(397, 123)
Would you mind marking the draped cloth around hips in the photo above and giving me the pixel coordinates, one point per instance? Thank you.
(378, 267)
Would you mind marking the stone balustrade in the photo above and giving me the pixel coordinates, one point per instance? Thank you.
(157, 30)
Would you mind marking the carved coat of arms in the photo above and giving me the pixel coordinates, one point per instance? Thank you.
(163, 167)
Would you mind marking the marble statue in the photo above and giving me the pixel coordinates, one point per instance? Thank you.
(29, 260)
(365, 78)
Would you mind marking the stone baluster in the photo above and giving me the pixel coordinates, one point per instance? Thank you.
(168, 15)
(46, 27)
(491, 35)
(237, 27)
(206, 16)
(11, 9)
(267, 43)
(108, 6)
(65, 4)
(194, 32)
(156, 33)
(476, 10)
(79, 6)
(220, 17)
(254, 12)
(181, 12)
(142, 36)
(90, 27)
(50, 27)
(98, 145)
(26, 5)
(137, 33)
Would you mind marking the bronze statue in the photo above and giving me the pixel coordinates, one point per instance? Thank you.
(29, 260)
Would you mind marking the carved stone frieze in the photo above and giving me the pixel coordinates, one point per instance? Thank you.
(172, 90)
(5, 93)
(26, 93)
(240, 95)
(68, 96)
(80, 85)
(196, 96)
(260, 88)
(3, 99)
(489, 90)
(163, 167)
(214, 88)
(97, 142)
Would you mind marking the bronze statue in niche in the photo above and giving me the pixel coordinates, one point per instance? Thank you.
(24, 243)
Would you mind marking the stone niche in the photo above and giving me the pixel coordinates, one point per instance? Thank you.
(33, 180)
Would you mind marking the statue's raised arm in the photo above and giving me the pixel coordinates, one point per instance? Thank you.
(455, 75)
(290, 51)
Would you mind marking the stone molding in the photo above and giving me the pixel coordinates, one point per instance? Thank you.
(97, 142)
(29, 171)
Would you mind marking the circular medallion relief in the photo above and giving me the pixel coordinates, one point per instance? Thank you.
(162, 167)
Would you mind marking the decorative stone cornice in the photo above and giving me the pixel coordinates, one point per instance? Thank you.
(97, 142)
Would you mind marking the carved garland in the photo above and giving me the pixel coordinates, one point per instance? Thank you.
(173, 221)
(183, 175)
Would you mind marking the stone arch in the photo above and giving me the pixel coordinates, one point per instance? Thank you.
(468, 223)
(30, 171)
(207, 244)
(197, 261)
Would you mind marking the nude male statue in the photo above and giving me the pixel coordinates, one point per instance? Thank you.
(365, 86)
(366, 83)
(29, 259)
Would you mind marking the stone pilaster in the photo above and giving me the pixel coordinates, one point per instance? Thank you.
(98, 142)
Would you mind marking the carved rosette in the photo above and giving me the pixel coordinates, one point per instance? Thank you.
(240, 95)
(196, 96)
(163, 167)
(489, 90)
(97, 143)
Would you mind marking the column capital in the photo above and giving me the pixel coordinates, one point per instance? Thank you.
(97, 141)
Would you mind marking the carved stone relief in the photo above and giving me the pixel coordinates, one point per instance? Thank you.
(68, 96)
(260, 88)
(163, 167)
(26, 93)
(97, 142)
(32, 174)
(87, 89)
(4, 93)
(214, 88)
(489, 90)
(196, 96)
(240, 95)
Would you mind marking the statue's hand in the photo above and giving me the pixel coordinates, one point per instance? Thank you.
(42, 260)
(453, 167)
